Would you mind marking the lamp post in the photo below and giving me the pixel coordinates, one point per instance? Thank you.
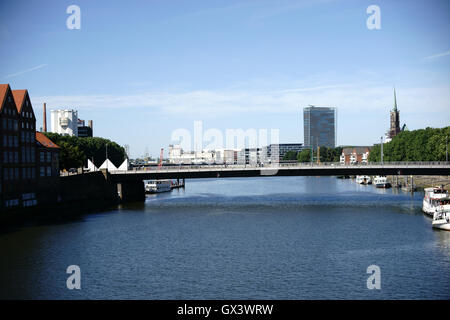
(446, 148)
(381, 149)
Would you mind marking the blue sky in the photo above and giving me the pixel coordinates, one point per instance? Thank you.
(142, 69)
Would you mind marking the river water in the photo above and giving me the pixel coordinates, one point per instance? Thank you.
(243, 238)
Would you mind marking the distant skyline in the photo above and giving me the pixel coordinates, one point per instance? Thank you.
(142, 69)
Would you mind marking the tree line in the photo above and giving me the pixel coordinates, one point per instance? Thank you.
(326, 155)
(74, 151)
(427, 144)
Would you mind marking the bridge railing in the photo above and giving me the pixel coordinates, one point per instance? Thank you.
(232, 167)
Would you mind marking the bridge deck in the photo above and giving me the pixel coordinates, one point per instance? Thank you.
(214, 171)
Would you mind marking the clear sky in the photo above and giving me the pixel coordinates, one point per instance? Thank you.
(142, 69)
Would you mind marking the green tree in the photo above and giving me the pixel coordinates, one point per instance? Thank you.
(427, 144)
(290, 155)
(304, 155)
(76, 151)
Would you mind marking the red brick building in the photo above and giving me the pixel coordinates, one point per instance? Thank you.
(19, 165)
(354, 155)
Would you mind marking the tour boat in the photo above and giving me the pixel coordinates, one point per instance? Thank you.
(441, 217)
(381, 182)
(431, 199)
(363, 180)
(158, 186)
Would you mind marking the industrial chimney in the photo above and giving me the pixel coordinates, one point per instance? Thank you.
(90, 125)
(45, 118)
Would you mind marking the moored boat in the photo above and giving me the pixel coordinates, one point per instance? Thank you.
(431, 199)
(381, 182)
(158, 186)
(363, 180)
(441, 219)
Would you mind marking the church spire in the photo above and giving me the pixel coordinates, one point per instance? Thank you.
(395, 101)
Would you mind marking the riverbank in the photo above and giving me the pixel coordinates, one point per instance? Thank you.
(74, 196)
(421, 182)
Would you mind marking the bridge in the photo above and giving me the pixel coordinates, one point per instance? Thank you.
(301, 169)
(130, 182)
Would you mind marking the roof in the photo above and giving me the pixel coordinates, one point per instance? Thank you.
(3, 90)
(19, 97)
(46, 142)
(357, 150)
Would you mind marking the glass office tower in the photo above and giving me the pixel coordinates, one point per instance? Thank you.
(319, 125)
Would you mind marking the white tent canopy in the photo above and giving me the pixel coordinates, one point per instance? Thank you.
(108, 165)
(124, 166)
(91, 166)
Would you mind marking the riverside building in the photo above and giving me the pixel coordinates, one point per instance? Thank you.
(19, 177)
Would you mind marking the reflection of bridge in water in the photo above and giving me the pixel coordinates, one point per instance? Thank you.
(133, 179)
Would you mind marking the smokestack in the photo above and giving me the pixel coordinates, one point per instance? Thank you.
(45, 118)
(90, 124)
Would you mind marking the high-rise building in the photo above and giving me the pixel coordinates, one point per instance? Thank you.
(65, 122)
(83, 130)
(395, 120)
(319, 125)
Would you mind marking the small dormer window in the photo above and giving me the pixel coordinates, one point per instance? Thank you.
(27, 103)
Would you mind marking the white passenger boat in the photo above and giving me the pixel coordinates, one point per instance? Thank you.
(431, 200)
(363, 180)
(158, 186)
(441, 217)
(381, 182)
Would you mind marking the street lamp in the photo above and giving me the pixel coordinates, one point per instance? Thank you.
(381, 149)
(446, 148)
(106, 156)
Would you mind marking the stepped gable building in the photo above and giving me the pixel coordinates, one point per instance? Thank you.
(19, 178)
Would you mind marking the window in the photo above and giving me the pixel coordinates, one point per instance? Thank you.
(10, 141)
(16, 157)
(42, 156)
(33, 158)
(49, 171)
(5, 140)
(11, 156)
(16, 141)
(16, 173)
(11, 173)
(5, 156)
(42, 171)
(22, 135)
(5, 173)
(33, 173)
(49, 157)
(16, 125)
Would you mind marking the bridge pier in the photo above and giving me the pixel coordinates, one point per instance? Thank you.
(131, 191)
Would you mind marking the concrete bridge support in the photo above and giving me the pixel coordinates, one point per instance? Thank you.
(131, 191)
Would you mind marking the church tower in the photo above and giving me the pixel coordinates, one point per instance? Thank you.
(395, 120)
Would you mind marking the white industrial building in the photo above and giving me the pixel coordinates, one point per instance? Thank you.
(64, 122)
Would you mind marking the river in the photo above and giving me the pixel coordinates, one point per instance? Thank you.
(237, 238)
